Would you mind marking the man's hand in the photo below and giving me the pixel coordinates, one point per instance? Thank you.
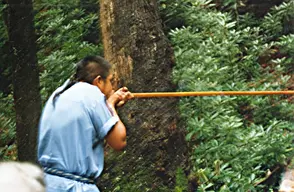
(120, 97)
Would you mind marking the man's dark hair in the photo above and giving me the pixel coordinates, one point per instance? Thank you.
(87, 70)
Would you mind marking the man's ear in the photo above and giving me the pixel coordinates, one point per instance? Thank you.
(97, 81)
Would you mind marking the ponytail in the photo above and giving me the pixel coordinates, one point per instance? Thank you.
(71, 82)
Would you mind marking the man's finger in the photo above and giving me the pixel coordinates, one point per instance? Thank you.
(130, 95)
(121, 103)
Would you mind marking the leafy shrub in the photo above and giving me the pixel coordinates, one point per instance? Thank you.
(7, 115)
(7, 128)
(181, 181)
(237, 140)
(61, 39)
(274, 22)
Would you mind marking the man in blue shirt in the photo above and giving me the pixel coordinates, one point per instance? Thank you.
(76, 119)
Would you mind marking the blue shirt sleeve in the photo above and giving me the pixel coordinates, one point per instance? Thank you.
(102, 118)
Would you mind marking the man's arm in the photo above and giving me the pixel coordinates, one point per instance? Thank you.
(117, 136)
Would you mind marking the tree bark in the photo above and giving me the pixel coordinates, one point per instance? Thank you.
(20, 24)
(135, 44)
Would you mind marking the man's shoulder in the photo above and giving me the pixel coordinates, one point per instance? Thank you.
(87, 91)
(86, 88)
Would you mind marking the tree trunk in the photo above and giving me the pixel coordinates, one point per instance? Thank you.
(135, 44)
(25, 76)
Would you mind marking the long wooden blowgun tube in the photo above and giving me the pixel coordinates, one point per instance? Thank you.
(210, 93)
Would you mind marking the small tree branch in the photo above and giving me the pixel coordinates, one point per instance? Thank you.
(267, 176)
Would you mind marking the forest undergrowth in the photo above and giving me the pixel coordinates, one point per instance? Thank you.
(239, 143)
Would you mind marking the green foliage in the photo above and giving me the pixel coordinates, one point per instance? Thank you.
(7, 115)
(286, 44)
(181, 181)
(237, 140)
(52, 4)
(4, 66)
(7, 128)
(177, 13)
(62, 31)
(275, 21)
(3, 32)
